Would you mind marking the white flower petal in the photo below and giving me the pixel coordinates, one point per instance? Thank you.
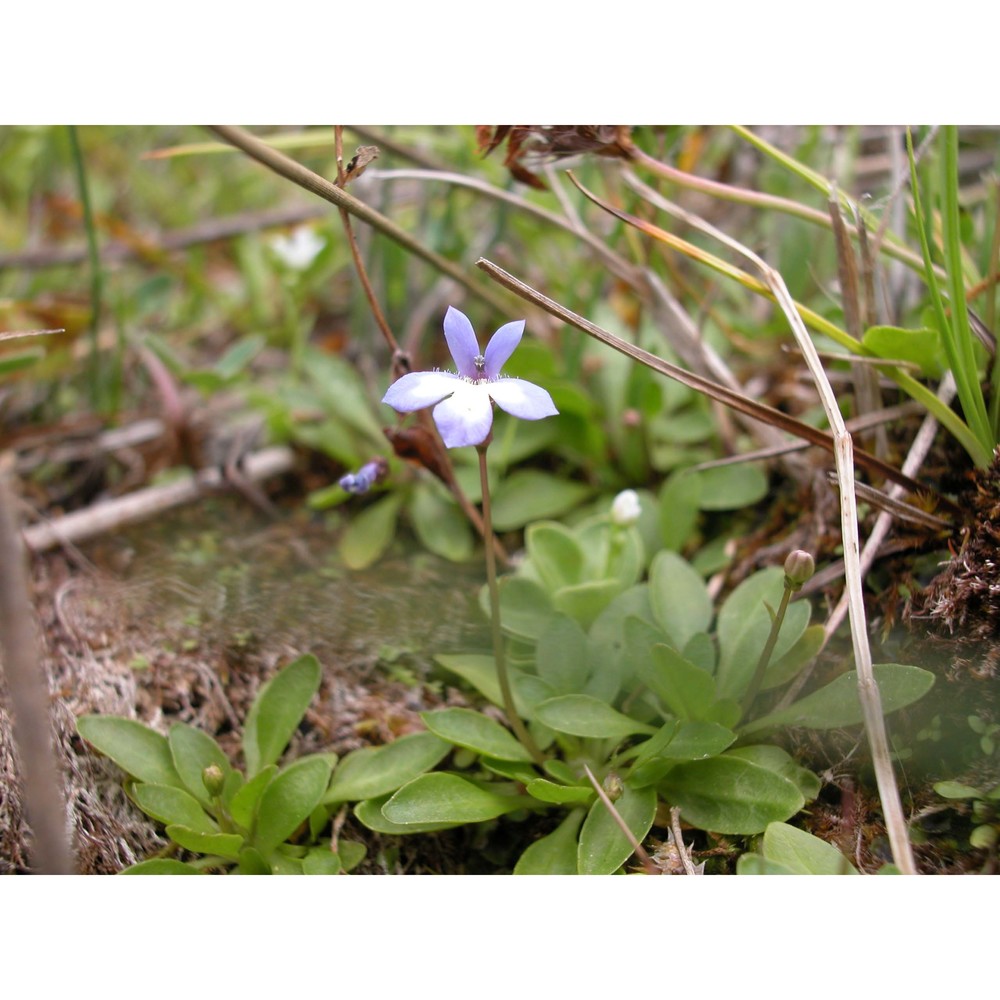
(416, 390)
(521, 398)
(465, 417)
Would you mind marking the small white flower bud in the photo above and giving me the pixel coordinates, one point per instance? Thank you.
(799, 567)
(626, 508)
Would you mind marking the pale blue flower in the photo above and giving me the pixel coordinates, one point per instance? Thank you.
(464, 402)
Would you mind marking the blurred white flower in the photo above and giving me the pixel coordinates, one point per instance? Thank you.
(626, 508)
(300, 249)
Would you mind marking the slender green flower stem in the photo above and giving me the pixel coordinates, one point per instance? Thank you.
(768, 650)
(498, 651)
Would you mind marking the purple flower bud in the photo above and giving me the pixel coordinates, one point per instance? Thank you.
(365, 478)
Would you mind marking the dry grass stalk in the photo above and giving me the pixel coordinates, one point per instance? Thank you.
(29, 696)
(843, 450)
(868, 692)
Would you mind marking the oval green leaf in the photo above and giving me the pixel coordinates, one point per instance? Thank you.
(135, 748)
(369, 813)
(561, 655)
(732, 487)
(370, 533)
(802, 853)
(277, 711)
(446, 798)
(192, 751)
(837, 705)
(441, 527)
(548, 791)
(173, 805)
(226, 845)
(680, 501)
(585, 601)
(744, 624)
(678, 597)
(532, 496)
(289, 799)
(160, 866)
(480, 672)
(729, 795)
(684, 689)
(474, 731)
(582, 715)
(554, 553)
(603, 847)
(525, 608)
(243, 804)
(372, 772)
(555, 853)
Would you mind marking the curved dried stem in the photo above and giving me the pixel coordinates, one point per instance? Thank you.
(291, 170)
(868, 692)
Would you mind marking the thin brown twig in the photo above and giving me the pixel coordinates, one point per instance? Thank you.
(640, 851)
(735, 400)
(678, 835)
(401, 365)
(209, 231)
(400, 362)
(301, 175)
(877, 419)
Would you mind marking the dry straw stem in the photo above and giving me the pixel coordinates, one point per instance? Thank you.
(677, 325)
(868, 693)
(842, 447)
(640, 852)
(291, 170)
(141, 505)
(723, 394)
(29, 697)
(918, 452)
(911, 386)
(746, 196)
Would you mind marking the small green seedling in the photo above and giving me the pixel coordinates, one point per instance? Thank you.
(261, 822)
